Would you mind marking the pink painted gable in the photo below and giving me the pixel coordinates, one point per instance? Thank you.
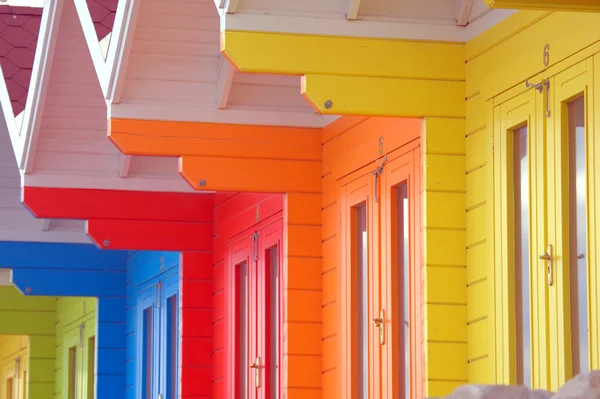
(103, 16)
(19, 29)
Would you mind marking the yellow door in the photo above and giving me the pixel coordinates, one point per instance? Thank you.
(546, 327)
(569, 176)
(88, 366)
(520, 212)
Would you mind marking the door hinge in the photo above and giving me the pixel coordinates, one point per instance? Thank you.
(540, 87)
(254, 250)
(159, 294)
(81, 328)
(376, 174)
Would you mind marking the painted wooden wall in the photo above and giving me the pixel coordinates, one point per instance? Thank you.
(196, 325)
(65, 144)
(42, 321)
(498, 63)
(35, 318)
(444, 235)
(41, 269)
(163, 47)
(70, 313)
(354, 142)
(14, 357)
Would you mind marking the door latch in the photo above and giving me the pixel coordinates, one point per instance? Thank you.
(540, 87)
(380, 323)
(256, 367)
(547, 256)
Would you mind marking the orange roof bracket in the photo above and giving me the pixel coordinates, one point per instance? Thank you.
(164, 138)
(251, 175)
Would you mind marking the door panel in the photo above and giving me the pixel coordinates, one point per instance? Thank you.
(402, 296)
(360, 289)
(269, 249)
(256, 259)
(241, 260)
(170, 336)
(381, 282)
(561, 245)
(568, 210)
(147, 345)
(520, 303)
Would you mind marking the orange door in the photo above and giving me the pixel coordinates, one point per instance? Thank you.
(256, 259)
(381, 283)
(401, 289)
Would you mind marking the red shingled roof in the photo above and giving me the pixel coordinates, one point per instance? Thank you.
(19, 29)
(103, 15)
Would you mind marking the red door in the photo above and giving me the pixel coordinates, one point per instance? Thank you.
(255, 257)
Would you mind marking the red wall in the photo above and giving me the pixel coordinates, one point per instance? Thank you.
(233, 213)
(196, 314)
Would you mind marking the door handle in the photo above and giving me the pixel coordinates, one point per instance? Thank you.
(380, 323)
(547, 256)
(256, 366)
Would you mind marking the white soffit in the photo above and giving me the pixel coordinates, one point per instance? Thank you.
(164, 63)
(433, 20)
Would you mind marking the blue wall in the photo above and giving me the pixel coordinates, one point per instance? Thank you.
(114, 277)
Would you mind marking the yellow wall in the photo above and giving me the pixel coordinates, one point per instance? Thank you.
(34, 317)
(13, 347)
(43, 322)
(445, 308)
(498, 62)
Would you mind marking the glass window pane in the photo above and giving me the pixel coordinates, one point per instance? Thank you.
(147, 354)
(172, 347)
(361, 305)
(273, 259)
(91, 382)
(72, 376)
(578, 235)
(402, 234)
(243, 328)
(521, 233)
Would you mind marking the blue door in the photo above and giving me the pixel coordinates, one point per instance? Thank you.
(158, 315)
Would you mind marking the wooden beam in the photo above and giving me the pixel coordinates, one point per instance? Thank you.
(150, 235)
(224, 82)
(463, 11)
(231, 6)
(124, 163)
(375, 96)
(548, 5)
(165, 138)
(66, 203)
(293, 54)
(251, 175)
(46, 224)
(353, 8)
(358, 76)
